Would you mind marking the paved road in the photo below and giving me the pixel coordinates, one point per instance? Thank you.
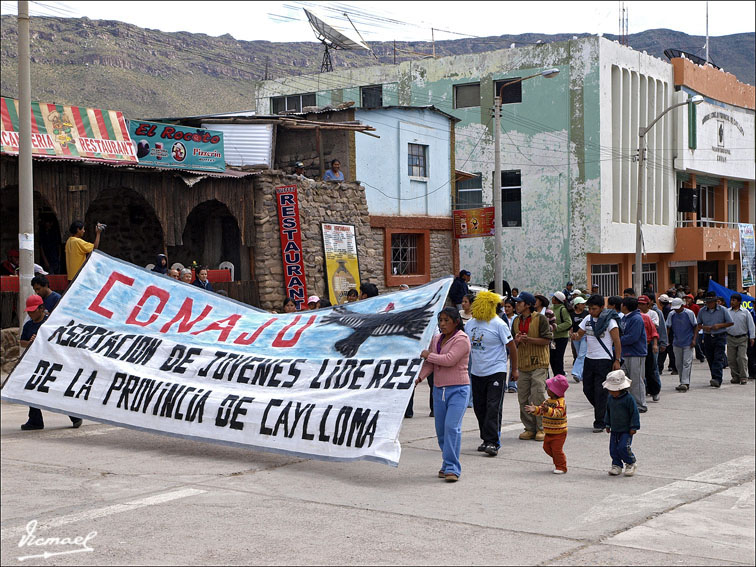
(159, 500)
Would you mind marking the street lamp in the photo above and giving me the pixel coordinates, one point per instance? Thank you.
(642, 131)
(498, 270)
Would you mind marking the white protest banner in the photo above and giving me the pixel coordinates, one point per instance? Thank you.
(131, 347)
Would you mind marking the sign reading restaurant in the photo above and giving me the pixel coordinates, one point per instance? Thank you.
(70, 132)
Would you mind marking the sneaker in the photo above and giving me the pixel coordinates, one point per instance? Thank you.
(734, 380)
(451, 477)
(630, 469)
(511, 391)
(31, 426)
(673, 372)
(642, 409)
(714, 384)
(576, 379)
(491, 450)
(655, 397)
(482, 447)
(615, 470)
(558, 471)
(441, 474)
(527, 434)
(682, 388)
(598, 429)
(540, 436)
(76, 423)
(744, 381)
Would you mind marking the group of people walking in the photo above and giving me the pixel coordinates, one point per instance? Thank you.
(482, 347)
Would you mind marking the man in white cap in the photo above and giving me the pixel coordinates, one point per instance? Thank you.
(664, 306)
(682, 324)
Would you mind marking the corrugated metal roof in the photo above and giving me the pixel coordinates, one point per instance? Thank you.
(246, 144)
(229, 173)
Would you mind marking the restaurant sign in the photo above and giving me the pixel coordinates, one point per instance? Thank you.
(70, 132)
(169, 145)
(471, 223)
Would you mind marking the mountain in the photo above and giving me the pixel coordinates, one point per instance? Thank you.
(146, 72)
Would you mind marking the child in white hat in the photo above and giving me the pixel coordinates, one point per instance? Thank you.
(622, 422)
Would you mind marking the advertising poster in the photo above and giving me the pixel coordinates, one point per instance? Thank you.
(133, 348)
(747, 254)
(342, 263)
(170, 145)
(70, 132)
(295, 284)
(473, 223)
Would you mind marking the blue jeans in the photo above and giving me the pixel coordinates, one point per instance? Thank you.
(620, 448)
(581, 347)
(449, 405)
(714, 348)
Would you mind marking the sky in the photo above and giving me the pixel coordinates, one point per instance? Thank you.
(408, 21)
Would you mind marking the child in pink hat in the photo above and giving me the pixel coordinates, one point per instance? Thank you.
(554, 412)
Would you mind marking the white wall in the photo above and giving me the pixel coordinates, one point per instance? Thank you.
(382, 163)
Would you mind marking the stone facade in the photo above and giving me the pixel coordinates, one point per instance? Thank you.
(325, 202)
(318, 202)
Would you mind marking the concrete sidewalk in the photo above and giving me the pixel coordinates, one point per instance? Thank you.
(160, 500)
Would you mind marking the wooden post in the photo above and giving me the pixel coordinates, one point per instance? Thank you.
(319, 145)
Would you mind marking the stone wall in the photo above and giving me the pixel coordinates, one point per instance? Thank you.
(442, 255)
(318, 202)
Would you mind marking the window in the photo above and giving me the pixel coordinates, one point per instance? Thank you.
(733, 204)
(606, 276)
(417, 160)
(372, 96)
(511, 198)
(403, 254)
(466, 96)
(280, 104)
(648, 276)
(732, 277)
(706, 205)
(510, 94)
(470, 193)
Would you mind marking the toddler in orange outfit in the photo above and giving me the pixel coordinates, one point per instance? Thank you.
(554, 414)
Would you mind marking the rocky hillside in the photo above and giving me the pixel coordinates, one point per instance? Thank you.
(146, 72)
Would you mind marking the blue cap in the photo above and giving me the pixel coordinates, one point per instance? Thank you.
(570, 283)
(464, 273)
(528, 298)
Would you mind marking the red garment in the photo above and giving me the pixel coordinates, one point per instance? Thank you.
(524, 324)
(651, 332)
(553, 445)
(694, 308)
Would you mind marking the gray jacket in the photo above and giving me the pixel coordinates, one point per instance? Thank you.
(661, 328)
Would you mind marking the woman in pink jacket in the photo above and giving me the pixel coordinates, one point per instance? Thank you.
(447, 360)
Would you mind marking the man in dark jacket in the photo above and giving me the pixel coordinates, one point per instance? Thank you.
(459, 288)
(634, 350)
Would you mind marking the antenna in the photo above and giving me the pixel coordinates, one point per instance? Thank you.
(332, 38)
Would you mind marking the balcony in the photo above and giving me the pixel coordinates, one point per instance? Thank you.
(706, 240)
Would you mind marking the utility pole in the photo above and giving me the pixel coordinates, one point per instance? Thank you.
(433, 41)
(394, 52)
(707, 33)
(25, 187)
(498, 226)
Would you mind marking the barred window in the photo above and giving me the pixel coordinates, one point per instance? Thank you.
(417, 160)
(404, 254)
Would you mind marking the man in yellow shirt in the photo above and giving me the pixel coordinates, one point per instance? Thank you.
(77, 248)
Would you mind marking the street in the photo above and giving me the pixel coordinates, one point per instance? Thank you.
(159, 500)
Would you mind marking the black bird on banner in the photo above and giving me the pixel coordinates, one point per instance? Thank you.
(410, 323)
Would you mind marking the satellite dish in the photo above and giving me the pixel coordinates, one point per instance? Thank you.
(332, 38)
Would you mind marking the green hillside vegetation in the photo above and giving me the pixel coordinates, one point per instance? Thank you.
(148, 73)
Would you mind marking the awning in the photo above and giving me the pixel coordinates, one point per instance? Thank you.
(69, 132)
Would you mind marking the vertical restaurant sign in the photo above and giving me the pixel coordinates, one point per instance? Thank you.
(747, 254)
(70, 132)
(170, 145)
(472, 223)
(342, 263)
(291, 244)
